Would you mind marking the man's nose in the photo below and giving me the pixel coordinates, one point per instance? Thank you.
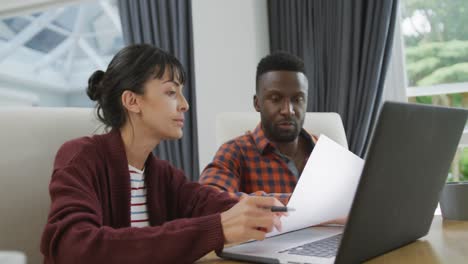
(287, 108)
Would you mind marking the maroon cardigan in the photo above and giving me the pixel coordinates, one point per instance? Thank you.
(89, 219)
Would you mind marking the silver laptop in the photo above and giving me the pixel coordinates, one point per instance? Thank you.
(406, 166)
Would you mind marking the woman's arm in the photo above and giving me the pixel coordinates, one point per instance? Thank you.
(75, 233)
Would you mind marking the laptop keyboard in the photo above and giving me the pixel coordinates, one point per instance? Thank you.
(325, 248)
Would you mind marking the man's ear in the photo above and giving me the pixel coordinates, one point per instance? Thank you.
(130, 101)
(255, 103)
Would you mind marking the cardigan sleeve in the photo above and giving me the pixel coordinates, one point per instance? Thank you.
(74, 232)
(194, 199)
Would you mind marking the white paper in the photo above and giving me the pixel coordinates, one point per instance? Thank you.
(326, 187)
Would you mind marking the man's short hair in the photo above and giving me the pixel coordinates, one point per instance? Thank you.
(278, 61)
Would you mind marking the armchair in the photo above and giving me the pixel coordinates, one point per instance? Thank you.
(29, 140)
(232, 124)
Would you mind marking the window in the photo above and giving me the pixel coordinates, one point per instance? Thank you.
(46, 57)
(435, 37)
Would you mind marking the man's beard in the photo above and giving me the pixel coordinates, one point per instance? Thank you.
(276, 134)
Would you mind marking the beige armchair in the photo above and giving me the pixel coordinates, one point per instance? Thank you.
(29, 140)
(232, 124)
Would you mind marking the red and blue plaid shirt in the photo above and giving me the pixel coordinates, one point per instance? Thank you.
(251, 164)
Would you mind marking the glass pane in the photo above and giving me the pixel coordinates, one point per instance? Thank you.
(436, 40)
(106, 43)
(453, 100)
(459, 167)
(60, 54)
(16, 24)
(436, 50)
(6, 33)
(67, 19)
(45, 40)
(94, 14)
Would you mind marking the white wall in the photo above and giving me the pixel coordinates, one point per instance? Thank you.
(230, 37)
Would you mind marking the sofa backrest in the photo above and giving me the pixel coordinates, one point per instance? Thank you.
(29, 140)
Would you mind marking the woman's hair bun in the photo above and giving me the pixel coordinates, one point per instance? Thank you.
(94, 90)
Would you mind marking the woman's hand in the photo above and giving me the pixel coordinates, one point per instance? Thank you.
(251, 218)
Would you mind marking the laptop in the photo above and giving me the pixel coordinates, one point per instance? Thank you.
(406, 167)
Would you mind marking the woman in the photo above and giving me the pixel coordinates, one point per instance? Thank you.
(114, 202)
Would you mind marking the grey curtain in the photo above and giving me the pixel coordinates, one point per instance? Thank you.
(346, 46)
(167, 24)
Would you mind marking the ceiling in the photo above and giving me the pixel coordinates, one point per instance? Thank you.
(60, 45)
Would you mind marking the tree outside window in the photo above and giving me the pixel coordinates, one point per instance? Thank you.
(435, 34)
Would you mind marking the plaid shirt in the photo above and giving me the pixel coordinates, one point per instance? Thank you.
(251, 164)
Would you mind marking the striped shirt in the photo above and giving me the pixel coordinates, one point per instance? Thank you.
(251, 164)
(138, 208)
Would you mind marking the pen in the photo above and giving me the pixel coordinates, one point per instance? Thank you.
(281, 209)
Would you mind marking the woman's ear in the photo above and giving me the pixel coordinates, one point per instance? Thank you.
(131, 101)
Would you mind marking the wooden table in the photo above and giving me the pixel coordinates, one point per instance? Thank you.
(446, 242)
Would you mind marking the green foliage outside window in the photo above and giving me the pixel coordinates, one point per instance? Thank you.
(437, 53)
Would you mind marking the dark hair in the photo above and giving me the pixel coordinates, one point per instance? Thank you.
(278, 61)
(130, 68)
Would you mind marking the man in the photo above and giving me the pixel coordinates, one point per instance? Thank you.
(269, 160)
